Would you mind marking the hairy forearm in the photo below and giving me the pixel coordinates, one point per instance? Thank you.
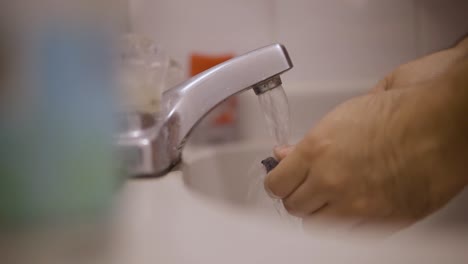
(434, 114)
(434, 135)
(458, 77)
(454, 109)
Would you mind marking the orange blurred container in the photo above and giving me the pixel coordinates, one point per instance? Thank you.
(220, 125)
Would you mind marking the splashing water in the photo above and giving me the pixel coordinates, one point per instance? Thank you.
(259, 199)
(257, 195)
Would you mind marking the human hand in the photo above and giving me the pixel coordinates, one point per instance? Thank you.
(423, 69)
(391, 157)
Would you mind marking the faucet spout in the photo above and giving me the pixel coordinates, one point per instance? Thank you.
(186, 104)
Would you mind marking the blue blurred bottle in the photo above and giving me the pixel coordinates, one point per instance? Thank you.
(57, 161)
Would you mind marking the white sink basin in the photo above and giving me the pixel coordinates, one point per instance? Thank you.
(227, 172)
(232, 173)
(202, 215)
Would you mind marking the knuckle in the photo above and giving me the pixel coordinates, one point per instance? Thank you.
(387, 82)
(390, 79)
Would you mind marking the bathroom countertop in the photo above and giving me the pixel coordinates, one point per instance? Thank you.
(161, 221)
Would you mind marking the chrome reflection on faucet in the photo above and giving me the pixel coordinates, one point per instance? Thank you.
(157, 150)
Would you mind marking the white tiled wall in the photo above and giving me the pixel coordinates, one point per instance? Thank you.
(207, 26)
(328, 40)
(348, 44)
(342, 40)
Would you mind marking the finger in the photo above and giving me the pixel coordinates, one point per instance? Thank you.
(293, 169)
(287, 176)
(306, 199)
(382, 85)
(282, 151)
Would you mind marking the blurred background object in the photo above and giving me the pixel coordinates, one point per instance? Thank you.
(3, 51)
(222, 124)
(57, 162)
(143, 73)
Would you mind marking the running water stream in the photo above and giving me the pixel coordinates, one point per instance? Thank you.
(275, 107)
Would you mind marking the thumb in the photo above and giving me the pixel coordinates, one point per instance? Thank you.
(282, 151)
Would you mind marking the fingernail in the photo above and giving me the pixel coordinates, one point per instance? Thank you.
(281, 147)
(282, 151)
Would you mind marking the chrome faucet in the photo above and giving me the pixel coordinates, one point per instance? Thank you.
(157, 150)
